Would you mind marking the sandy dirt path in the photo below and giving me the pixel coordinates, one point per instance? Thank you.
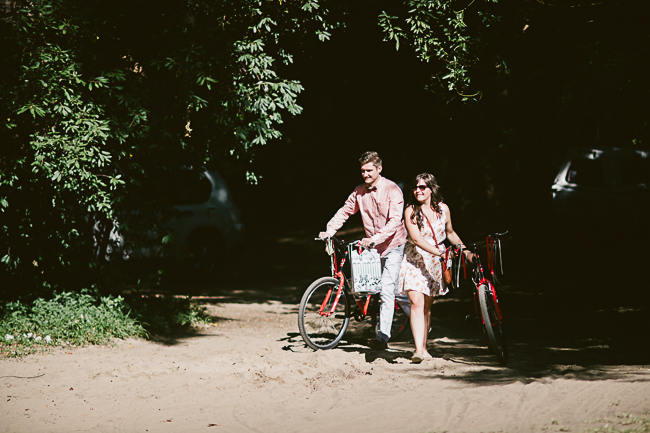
(250, 372)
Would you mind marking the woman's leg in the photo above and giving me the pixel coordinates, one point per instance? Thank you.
(428, 300)
(417, 320)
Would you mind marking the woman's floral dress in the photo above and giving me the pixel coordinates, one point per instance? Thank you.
(422, 271)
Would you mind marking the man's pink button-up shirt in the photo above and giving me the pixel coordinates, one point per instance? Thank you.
(382, 209)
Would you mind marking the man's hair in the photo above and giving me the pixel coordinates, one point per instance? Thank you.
(370, 156)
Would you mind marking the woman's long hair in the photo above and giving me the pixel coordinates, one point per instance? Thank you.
(436, 198)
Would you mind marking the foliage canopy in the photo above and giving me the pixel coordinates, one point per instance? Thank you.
(97, 94)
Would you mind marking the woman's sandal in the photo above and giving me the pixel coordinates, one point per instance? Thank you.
(416, 359)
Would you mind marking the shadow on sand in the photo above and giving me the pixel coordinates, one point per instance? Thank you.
(572, 325)
(571, 329)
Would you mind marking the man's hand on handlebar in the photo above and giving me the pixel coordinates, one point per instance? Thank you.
(366, 243)
(323, 235)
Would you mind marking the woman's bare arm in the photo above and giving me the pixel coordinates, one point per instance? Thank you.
(451, 233)
(415, 235)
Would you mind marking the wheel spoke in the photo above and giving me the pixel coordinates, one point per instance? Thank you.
(320, 327)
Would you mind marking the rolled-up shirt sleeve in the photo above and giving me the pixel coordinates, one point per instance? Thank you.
(350, 207)
(395, 215)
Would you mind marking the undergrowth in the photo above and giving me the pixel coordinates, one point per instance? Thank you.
(79, 318)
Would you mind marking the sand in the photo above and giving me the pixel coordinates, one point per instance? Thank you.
(251, 372)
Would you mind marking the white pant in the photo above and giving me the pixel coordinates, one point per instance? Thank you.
(389, 279)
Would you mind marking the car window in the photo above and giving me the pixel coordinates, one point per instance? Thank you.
(587, 172)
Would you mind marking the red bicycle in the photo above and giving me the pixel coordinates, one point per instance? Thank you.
(329, 302)
(486, 301)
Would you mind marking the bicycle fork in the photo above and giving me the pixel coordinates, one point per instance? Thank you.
(493, 293)
(339, 290)
(324, 311)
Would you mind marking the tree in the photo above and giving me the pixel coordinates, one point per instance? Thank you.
(449, 35)
(576, 58)
(95, 95)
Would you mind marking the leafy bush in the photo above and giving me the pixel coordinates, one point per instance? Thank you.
(89, 108)
(67, 318)
(78, 318)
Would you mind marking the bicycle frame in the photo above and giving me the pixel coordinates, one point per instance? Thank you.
(337, 272)
(329, 302)
(478, 277)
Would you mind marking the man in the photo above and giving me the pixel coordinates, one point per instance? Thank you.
(381, 204)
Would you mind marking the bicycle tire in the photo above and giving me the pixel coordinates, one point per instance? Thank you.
(401, 326)
(323, 331)
(492, 324)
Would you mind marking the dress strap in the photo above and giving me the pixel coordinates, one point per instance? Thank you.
(433, 232)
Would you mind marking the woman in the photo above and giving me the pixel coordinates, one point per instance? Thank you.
(428, 224)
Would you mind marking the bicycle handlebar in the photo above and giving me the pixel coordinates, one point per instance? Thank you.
(473, 246)
(337, 241)
(341, 242)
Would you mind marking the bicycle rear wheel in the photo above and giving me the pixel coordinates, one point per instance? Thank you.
(492, 322)
(401, 329)
(319, 326)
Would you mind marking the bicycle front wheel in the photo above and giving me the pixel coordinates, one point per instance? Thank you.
(492, 321)
(321, 326)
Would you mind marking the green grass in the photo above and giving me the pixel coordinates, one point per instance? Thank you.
(80, 318)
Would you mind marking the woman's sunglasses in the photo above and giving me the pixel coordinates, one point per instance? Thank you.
(420, 187)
